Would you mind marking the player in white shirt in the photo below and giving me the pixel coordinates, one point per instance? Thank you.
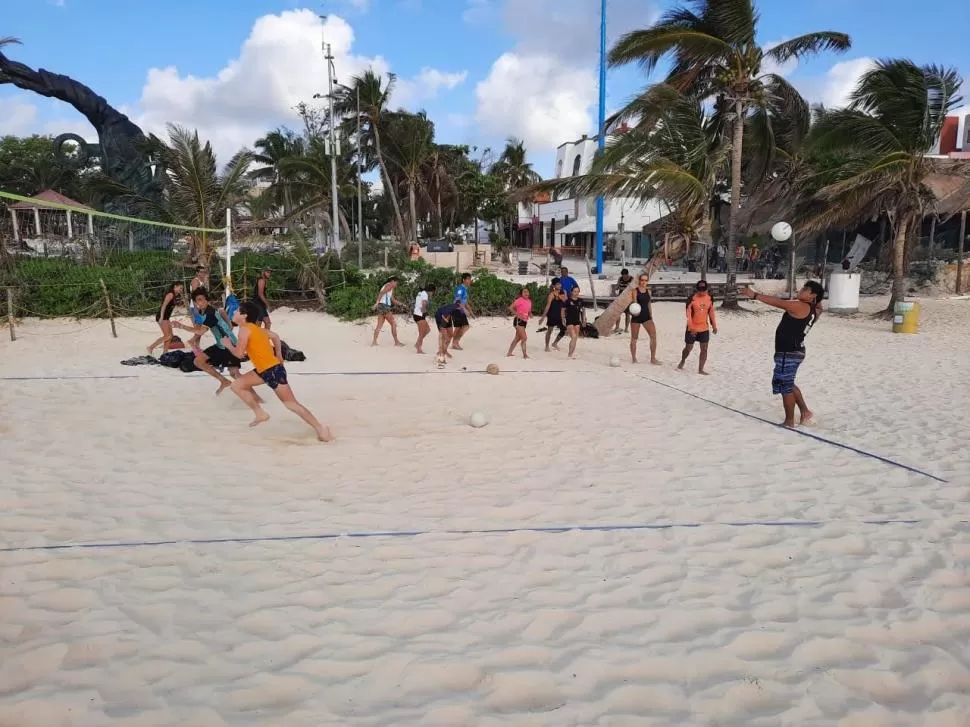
(421, 309)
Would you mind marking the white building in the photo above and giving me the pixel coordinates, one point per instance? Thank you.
(571, 222)
(954, 141)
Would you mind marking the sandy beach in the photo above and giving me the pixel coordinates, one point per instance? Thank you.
(619, 546)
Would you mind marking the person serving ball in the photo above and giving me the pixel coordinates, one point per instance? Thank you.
(799, 316)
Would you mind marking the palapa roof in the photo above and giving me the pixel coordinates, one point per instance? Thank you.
(950, 183)
(49, 199)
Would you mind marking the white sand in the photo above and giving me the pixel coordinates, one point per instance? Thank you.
(843, 623)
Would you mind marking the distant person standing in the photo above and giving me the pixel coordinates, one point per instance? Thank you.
(460, 319)
(622, 283)
(799, 317)
(567, 282)
(421, 309)
(260, 299)
(385, 310)
(553, 313)
(700, 313)
(575, 316)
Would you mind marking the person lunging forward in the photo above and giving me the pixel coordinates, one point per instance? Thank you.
(264, 349)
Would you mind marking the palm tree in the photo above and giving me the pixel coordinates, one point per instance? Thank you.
(514, 171)
(8, 40)
(676, 155)
(308, 176)
(194, 192)
(374, 95)
(893, 121)
(714, 53)
(410, 144)
(439, 180)
(272, 149)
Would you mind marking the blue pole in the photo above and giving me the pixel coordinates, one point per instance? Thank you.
(601, 136)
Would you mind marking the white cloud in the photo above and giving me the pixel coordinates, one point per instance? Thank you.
(781, 69)
(544, 89)
(536, 98)
(834, 88)
(279, 65)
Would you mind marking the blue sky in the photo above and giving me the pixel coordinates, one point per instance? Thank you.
(483, 69)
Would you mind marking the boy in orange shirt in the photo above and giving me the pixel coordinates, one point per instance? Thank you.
(700, 311)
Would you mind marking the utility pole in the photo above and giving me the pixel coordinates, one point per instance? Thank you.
(360, 198)
(334, 148)
(601, 136)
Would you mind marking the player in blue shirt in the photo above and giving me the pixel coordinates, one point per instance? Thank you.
(460, 319)
(217, 355)
(567, 282)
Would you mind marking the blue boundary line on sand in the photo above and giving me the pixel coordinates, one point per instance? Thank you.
(367, 534)
(816, 437)
(291, 373)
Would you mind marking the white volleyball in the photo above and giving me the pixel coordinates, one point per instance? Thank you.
(634, 309)
(477, 420)
(781, 231)
(615, 361)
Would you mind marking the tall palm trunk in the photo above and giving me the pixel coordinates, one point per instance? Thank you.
(899, 260)
(412, 208)
(441, 222)
(388, 185)
(676, 248)
(730, 287)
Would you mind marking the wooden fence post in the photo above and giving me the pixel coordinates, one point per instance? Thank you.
(111, 312)
(10, 322)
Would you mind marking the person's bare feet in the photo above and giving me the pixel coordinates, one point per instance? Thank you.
(456, 347)
(680, 366)
(787, 425)
(260, 418)
(448, 355)
(324, 435)
(702, 372)
(399, 344)
(418, 350)
(547, 349)
(149, 350)
(806, 419)
(373, 343)
(554, 348)
(656, 362)
(525, 355)
(223, 386)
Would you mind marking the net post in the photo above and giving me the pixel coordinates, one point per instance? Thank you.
(107, 303)
(592, 284)
(10, 323)
(227, 283)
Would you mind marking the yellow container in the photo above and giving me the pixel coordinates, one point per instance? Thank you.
(906, 317)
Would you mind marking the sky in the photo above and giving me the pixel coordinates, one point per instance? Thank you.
(484, 70)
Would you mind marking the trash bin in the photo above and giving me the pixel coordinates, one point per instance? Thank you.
(906, 317)
(843, 292)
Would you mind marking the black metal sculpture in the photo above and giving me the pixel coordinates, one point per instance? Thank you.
(123, 150)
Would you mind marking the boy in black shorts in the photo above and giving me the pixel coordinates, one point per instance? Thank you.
(215, 355)
(444, 317)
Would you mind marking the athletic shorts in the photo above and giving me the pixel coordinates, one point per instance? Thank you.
(383, 310)
(222, 357)
(519, 323)
(691, 337)
(460, 319)
(786, 367)
(263, 314)
(273, 376)
(644, 317)
(444, 325)
(417, 318)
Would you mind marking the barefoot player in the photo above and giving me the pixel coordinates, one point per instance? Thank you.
(700, 320)
(799, 317)
(218, 323)
(264, 350)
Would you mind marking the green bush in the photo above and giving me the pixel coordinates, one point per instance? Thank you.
(136, 282)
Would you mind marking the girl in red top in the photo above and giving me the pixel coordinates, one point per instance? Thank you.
(521, 308)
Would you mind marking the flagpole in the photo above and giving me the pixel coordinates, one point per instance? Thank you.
(601, 135)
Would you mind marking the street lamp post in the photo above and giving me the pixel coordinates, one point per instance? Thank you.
(601, 137)
(360, 202)
(334, 147)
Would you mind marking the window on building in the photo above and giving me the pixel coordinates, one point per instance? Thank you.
(576, 162)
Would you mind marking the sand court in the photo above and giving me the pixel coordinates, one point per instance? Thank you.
(258, 613)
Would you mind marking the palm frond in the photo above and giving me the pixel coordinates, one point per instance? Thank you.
(809, 44)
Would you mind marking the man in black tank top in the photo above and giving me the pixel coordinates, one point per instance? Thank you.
(799, 317)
